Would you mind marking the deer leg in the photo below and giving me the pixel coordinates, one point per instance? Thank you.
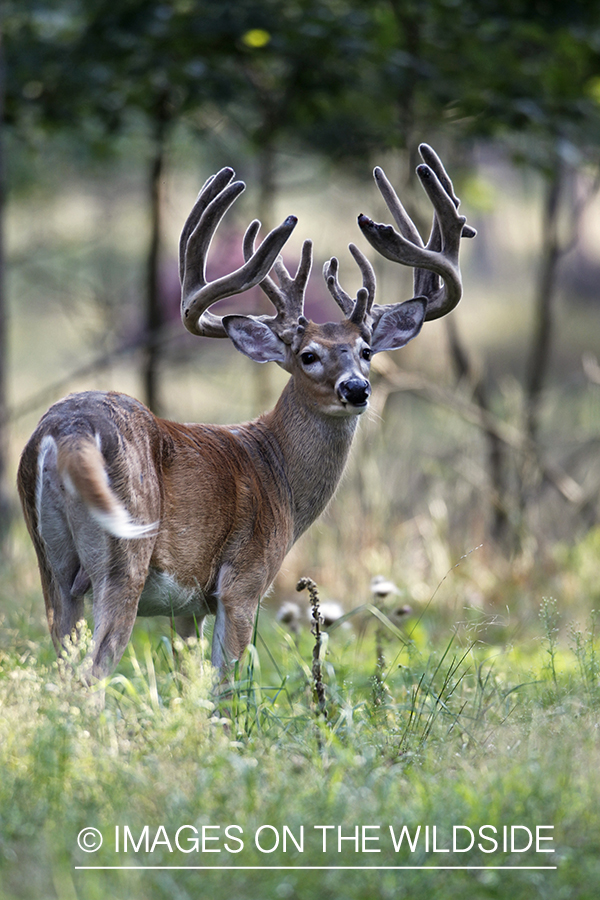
(189, 627)
(64, 581)
(238, 599)
(218, 655)
(63, 610)
(232, 633)
(115, 611)
(119, 569)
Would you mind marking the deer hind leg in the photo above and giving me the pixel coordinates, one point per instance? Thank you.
(115, 582)
(64, 609)
(115, 611)
(64, 581)
(189, 627)
(118, 568)
(115, 569)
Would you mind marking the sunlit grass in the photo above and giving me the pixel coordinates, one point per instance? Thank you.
(462, 733)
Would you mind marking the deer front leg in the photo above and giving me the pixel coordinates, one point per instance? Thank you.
(238, 597)
(232, 632)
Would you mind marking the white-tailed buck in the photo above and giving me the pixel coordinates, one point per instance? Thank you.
(157, 518)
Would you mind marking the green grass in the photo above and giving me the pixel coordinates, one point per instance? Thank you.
(460, 733)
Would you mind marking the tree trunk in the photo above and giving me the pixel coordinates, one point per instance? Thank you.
(5, 504)
(541, 342)
(267, 188)
(154, 311)
(267, 191)
(500, 527)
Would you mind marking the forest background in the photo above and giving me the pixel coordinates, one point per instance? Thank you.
(473, 484)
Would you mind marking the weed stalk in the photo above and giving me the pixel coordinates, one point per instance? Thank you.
(550, 619)
(318, 686)
(379, 688)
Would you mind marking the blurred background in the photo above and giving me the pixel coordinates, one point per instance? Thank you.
(473, 483)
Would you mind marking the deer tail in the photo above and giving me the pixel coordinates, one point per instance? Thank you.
(83, 471)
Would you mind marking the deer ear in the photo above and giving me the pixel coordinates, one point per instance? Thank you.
(255, 339)
(398, 325)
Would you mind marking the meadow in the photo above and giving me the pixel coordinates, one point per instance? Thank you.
(481, 756)
(455, 746)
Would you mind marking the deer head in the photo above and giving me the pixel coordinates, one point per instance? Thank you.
(330, 360)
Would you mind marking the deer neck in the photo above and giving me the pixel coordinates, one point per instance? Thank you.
(312, 451)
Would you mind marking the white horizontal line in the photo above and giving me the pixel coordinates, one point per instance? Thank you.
(313, 868)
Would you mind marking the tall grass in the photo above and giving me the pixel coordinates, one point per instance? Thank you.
(464, 735)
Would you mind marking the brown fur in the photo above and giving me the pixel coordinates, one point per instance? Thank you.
(229, 502)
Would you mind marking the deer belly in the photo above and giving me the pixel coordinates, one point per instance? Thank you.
(164, 596)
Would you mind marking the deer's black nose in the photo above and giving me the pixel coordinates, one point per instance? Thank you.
(355, 391)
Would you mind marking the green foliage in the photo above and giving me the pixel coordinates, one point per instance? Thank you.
(90, 64)
(342, 76)
(456, 740)
(102, 60)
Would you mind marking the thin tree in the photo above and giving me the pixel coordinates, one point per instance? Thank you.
(5, 505)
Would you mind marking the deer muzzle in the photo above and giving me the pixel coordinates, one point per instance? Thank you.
(354, 391)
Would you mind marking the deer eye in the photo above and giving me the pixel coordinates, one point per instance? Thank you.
(366, 353)
(308, 357)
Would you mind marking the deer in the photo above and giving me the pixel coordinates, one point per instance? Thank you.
(155, 518)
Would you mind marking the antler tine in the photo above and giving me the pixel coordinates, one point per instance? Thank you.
(427, 282)
(211, 188)
(439, 257)
(368, 273)
(361, 307)
(330, 274)
(401, 218)
(430, 157)
(288, 296)
(197, 294)
(267, 284)
(445, 234)
(290, 307)
(354, 310)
